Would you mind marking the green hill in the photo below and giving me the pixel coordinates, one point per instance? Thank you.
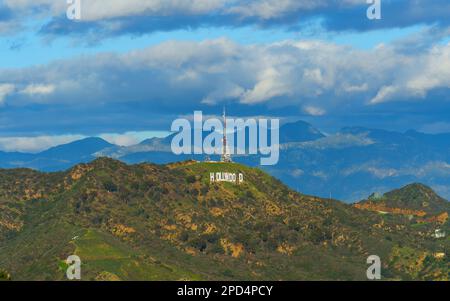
(417, 197)
(150, 222)
(416, 200)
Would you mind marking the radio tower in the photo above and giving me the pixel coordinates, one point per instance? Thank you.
(226, 158)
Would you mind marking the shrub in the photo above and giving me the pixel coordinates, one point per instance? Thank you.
(199, 244)
(110, 186)
(228, 273)
(204, 190)
(191, 179)
(215, 248)
(184, 236)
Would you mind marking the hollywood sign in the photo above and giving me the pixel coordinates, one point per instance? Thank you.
(216, 177)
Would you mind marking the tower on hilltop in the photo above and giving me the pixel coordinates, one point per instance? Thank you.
(226, 157)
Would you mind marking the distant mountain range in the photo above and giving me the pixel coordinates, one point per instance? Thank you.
(56, 158)
(349, 165)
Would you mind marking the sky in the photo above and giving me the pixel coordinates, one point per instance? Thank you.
(128, 68)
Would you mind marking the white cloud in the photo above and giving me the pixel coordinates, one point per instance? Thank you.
(5, 90)
(297, 173)
(34, 144)
(116, 17)
(224, 92)
(416, 75)
(40, 143)
(372, 168)
(269, 9)
(32, 90)
(320, 174)
(431, 168)
(385, 93)
(316, 76)
(53, 7)
(435, 72)
(355, 88)
(338, 141)
(99, 9)
(93, 10)
(269, 85)
(314, 111)
(131, 138)
(121, 139)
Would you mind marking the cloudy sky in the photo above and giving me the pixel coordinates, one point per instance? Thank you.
(129, 67)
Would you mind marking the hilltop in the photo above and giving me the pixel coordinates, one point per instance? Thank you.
(168, 222)
(415, 200)
(418, 197)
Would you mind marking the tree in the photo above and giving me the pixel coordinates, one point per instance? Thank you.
(110, 186)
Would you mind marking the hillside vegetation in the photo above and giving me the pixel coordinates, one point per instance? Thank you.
(151, 222)
(416, 200)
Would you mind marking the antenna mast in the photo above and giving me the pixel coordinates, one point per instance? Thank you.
(225, 156)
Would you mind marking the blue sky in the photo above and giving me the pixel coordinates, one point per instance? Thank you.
(127, 69)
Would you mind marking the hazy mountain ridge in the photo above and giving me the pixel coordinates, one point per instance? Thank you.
(169, 222)
(349, 164)
(57, 158)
